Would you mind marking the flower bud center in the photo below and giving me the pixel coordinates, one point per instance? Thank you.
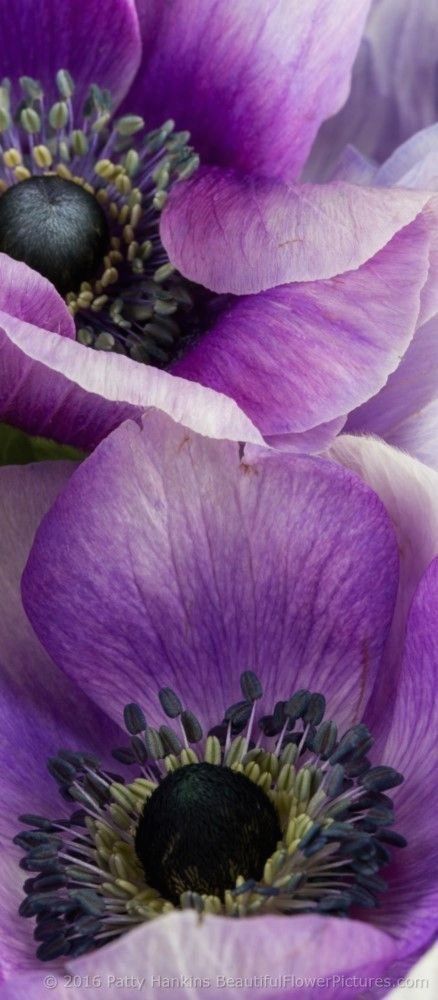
(202, 828)
(56, 227)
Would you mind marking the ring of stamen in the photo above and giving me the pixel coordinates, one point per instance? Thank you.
(87, 884)
(136, 303)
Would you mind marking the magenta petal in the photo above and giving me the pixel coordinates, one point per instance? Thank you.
(97, 42)
(251, 81)
(40, 709)
(304, 354)
(58, 388)
(265, 563)
(252, 954)
(244, 235)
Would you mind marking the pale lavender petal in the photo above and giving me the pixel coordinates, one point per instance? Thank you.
(406, 727)
(281, 564)
(409, 492)
(97, 42)
(354, 167)
(418, 434)
(26, 295)
(393, 92)
(41, 709)
(410, 905)
(58, 388)
(252, 82)
(252, 954)
(424, 174)
(35, 985)
(244, 234)
(414, 153)
(405, 411)
(304, 354)
(308, 442)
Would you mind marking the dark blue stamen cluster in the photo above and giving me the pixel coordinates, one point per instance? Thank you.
(81, 197)
(69, 915)
(334, 819)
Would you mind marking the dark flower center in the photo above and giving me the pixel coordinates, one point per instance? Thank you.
(202, 828)
(81, 198)
(56, 227)
(271, 813)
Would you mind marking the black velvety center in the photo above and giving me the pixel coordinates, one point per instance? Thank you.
(202, 828)
(56, 227)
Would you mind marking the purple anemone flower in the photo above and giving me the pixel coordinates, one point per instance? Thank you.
(393, 89)
(387, 136)
(257, 620)
(295, 301)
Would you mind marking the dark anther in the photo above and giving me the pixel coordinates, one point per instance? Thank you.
(170, 703)
(202, 828)
(250, 685)
(296, 706)
(56, 227)
(134, 719)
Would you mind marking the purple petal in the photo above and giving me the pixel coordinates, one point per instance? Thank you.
(309, 442)
(418, 434)
(97, 42)
(252, 82)
(405, 411)
(254, 953)
(282, 564)
(424, 971)
(244, 235)
(304, 354)
(393, 92)
(406, 165)
(409, 493)
(353, 167)
(410, 906)
(56, 387)
(41, 709)
(28, 296)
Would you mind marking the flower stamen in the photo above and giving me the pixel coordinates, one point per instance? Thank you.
(93, 877)
(136, 302)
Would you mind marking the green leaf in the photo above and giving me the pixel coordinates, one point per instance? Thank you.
(18, 448)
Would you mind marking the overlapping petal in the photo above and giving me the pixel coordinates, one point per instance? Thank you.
(393, 92)
(303, 354)
(26, 295)
(252, 955)
(414, 163)
(410, 905)
(409, 491)
(175, 514)
(52, 385)
(245, 234)
(405, 411)
(252, 82)
(97, 42)
(40, 709)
